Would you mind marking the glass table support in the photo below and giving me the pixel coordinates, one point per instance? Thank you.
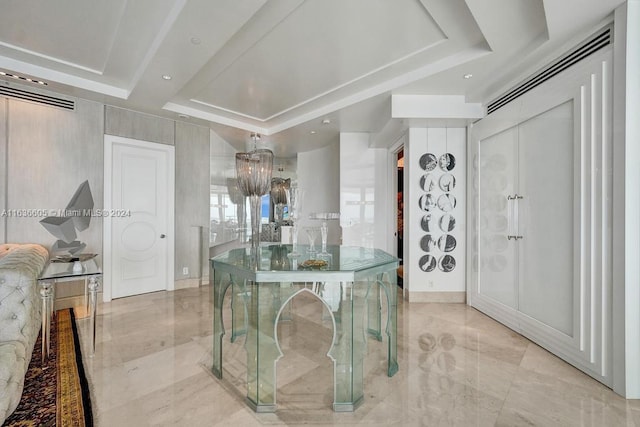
(350, 290)
(55, 272)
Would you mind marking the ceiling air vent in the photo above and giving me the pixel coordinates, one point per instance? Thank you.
(11, 91)
(595, 43)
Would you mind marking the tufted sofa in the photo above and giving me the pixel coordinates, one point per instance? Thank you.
(20, 319)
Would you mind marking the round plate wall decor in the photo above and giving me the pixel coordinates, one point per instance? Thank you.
(428, 263)
(447, 182)
(446, 202)
(427, 202)
(446, 243)
(447, 223)
(428, 162)
(447, 162)
(427, 182)
(447, 263)
(427, 223)
(427, 243)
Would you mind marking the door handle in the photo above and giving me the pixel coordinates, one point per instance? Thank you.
(510, 232)
(513, 217)
(162, 236)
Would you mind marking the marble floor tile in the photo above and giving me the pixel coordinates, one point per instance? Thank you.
(458, 367)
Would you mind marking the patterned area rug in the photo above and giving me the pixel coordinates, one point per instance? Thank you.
(56, 393)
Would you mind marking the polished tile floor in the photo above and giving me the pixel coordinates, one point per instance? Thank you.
(457, 367)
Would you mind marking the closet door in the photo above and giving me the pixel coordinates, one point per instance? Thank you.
(545, 218)
(560, 269)
(498, 257)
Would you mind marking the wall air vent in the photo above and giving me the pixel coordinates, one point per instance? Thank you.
(601, 39)
(11, 91)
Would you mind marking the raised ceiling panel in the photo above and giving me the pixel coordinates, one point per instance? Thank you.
(332, 47)
(213, 24)
(142, 30)
(79, 33)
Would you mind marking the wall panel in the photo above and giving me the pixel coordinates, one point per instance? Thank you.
(318, 174)
(50, 153)
(192, 200)
(433, 272)
(364, 192)
(131, 124)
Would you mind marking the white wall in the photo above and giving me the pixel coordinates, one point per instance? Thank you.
(365, 195)
(50, 152)
(626, 210)
(436, 285)
(222, 165)
(192, 202)
(318, 174)
(47, 152)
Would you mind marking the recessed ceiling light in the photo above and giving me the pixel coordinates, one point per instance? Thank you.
(183, 116)
(195, 40)
(26, 79)
(166, 77)
(312, 132)
(468, 76)
(326, 121)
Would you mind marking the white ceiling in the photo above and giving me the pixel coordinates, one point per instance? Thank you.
(280, 67)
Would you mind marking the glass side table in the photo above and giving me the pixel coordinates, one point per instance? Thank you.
(58, 271)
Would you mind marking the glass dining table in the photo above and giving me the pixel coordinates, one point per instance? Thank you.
(350, 282)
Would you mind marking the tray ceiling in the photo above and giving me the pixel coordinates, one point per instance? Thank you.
(272, 66)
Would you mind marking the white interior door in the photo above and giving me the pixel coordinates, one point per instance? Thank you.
(139, 190)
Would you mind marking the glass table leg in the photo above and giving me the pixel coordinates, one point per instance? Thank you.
(349, 348)
(262, 347)
(387, 282)
(45, 296)
(220, 286)
(374, 310)
(93, 288)
(238, 308)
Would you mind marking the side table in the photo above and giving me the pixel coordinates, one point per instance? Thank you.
(56, 271)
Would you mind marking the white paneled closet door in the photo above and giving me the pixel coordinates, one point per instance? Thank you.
(498, 254)
(544, 216)
(540, 209)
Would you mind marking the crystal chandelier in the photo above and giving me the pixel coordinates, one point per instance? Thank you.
(253, 171)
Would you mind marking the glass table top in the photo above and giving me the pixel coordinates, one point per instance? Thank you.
(273, 262)
(61, 270)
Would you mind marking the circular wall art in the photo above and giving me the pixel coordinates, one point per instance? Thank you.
(427, 243)
(447, 182)
(447, 162)
(427, 202)
(428, 162)
(447, 263)
(447, 223)
(446, 202)
(427, 223)
(446, 243)
(427, 182)
(428, 263)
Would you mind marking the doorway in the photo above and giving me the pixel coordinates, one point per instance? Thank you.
(138, 217)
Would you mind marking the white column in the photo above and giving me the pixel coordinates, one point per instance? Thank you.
(626, 127)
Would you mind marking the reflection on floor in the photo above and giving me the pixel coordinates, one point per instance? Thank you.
(457, 367)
